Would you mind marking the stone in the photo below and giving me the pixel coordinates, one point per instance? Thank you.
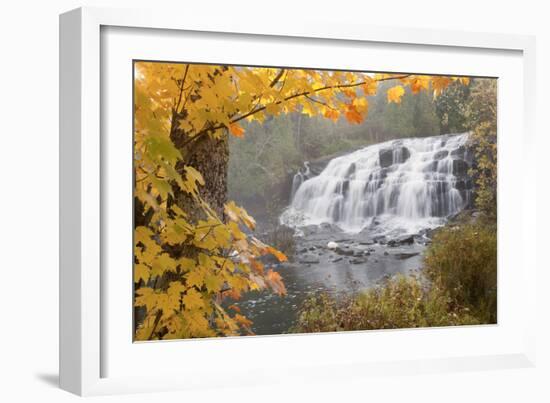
(403, 256)
(441, 154)
(404, 240)
(309, 260)
(385, 157)
(460, 168)
(344, 252)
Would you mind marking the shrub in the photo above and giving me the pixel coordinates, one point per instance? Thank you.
(282, 238)
(462, 259)
(403, 302)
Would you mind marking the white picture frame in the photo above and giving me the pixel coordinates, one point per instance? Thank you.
(89, 338)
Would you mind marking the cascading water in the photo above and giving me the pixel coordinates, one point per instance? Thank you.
(299, 178)
(399, 186)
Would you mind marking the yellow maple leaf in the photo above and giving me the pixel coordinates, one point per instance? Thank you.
(395, 93)
(192, 299)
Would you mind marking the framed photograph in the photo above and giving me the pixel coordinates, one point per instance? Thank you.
(302, 202)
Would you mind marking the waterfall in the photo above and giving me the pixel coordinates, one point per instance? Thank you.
(299, 178)
(403, 185)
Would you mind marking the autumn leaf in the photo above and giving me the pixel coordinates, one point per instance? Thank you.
(236, 130)
(242, 320)
(275, 281)
(193, 299)
(141, 272)
(395, 93)
(281, 257)
(353, 116)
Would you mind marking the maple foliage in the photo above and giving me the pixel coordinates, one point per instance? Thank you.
(183, 295)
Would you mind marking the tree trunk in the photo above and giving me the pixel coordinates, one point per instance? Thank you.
(210, 157)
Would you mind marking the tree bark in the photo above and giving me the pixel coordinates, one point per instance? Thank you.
(209, 156)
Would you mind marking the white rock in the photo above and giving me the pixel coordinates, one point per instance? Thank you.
(332, 245)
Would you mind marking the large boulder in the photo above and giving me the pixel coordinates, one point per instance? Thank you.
(441, 154)
(386, 156)
(460, 168)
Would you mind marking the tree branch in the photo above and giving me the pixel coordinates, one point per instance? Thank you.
(277, 78)
(181, 88)
(288, 98)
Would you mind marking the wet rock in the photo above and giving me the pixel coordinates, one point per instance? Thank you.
(344, 252)
(441, 154)
(309, 259)
(390, 156)
(458, 152)
(358, 261)
(310, 230)
(431, 167)
(380, 239)
(328, 227)
(403, 256)
(404, 240)
(460, 168)
(385, 157)
(338, 259)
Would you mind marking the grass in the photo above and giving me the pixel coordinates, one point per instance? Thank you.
(403, 302)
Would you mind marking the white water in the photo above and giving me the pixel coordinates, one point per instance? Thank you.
(400, 186)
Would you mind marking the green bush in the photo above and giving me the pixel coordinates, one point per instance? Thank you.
(403, 302)
(462, 259)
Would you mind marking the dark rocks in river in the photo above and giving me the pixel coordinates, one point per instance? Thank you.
(309, 259)
(390, 156)
(382, 240)
(403, 240)
(440, 155)
(460, 167)
(403, 256)
(385, 157)
(459, 152)
(344, 252)
(329, 227)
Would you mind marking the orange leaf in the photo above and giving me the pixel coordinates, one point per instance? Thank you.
(353, 116)
(332, 114)
(236, 130)
(243, 321)
(235, 308)
(281, 257)
(275, 281)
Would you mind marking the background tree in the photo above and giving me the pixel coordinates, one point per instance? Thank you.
(481, 115)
